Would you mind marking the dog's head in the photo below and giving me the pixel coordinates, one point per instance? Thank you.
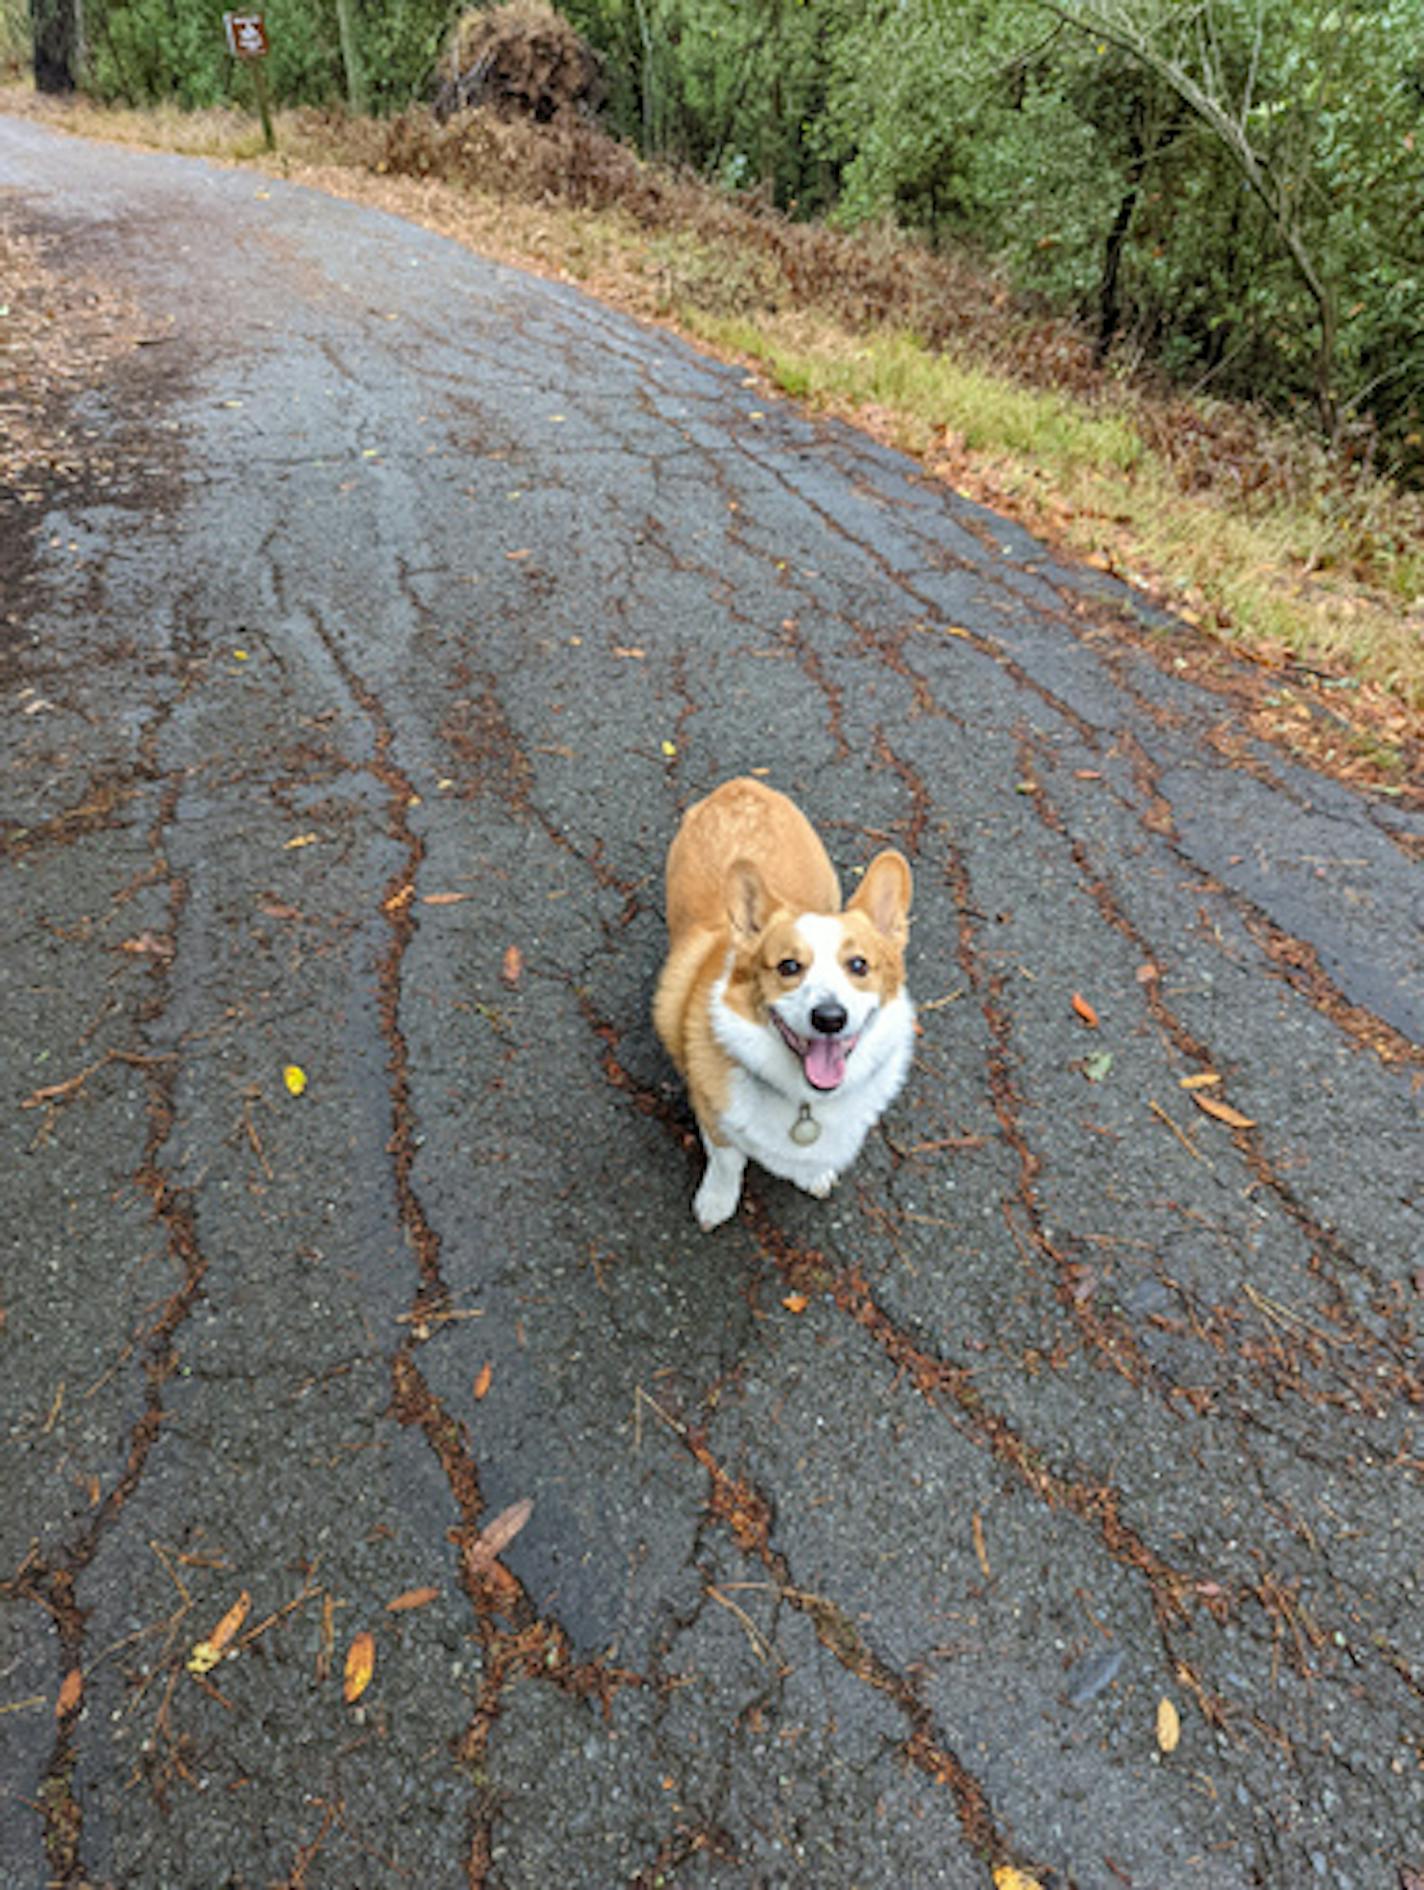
(820, 978)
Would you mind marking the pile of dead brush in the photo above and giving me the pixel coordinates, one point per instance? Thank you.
(522, 59)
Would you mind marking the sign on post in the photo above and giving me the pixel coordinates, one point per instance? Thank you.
(247, 41)
(246, 35)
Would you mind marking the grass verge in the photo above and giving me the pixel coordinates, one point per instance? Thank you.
(1248, 530)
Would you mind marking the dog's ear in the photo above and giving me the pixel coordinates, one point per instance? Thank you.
(884, 895)
(749, 904)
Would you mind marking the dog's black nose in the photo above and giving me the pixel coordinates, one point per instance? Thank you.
(829, 1019)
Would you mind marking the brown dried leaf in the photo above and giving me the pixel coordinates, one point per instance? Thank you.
(412, 1598)
(445, 899)
(1223, 1112)
(981, 1551)
(512, 969)
(230, 1623)
(796, 1302)
(149, 944)
(1205, 1079)
(70, 1693)
(496, 1536)
(360, 1665)
(482, 1381)
(1085, 1010)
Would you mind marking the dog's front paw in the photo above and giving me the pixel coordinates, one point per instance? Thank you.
(821, 1185)
(714, 1202)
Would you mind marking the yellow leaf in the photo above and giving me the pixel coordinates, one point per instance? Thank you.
(1223, 1112)
(1207, 1079)
(1007, 1877)
(669, 749)
(796, 1302)
(1169, 1726)
(240, 655)
(295, 1077)
(360, 1665)
(204, 1657)
(300, 840)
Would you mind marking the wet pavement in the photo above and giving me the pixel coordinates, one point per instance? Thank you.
(352, 693)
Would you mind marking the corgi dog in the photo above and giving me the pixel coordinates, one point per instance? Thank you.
(786, 1014)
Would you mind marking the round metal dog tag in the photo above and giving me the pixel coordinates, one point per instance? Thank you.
(805, 1129)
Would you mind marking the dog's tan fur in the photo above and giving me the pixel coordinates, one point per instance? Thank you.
(743, 865)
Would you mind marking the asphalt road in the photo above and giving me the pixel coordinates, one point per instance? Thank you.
(352, 690)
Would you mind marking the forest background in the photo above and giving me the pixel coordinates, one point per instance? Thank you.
(1222, 197)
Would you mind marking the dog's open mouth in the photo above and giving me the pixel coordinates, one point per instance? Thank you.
(822, 1058)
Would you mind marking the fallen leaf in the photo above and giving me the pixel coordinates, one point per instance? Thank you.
(629, 650)
(1148, 974)
(203, 1658)
(496, 1537)
(513, 967)
(360, 1665)
(1008, 1877)
(1085, 1010)
(399, 899)
(669, 749)
(1206, 1079)
(981, 1552)
(275, 909)
(796, 1302)
(230, 1623)
(327, 1642)
(1169, 1726)
(515, 556)
(70, 1693)
(445, 899)
(1096, 1068)
(412, 1598)
(295, 1077)
(299, 840)
(482, 1381)
(149, 944)
(1223, 1112)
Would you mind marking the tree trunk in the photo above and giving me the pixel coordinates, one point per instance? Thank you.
(1109, 307)
(58, 37)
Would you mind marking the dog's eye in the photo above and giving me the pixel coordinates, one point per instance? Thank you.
(857, 967)
(790, 968)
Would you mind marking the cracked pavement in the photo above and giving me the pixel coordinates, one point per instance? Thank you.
(353, 690)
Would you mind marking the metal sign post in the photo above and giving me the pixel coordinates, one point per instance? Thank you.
(247, 41)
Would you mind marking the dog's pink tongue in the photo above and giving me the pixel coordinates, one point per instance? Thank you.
(825, 1062)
